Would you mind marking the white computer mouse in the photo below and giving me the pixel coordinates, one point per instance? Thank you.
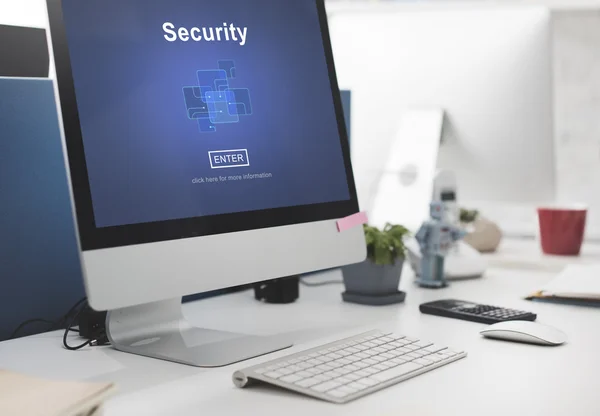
(525, 331)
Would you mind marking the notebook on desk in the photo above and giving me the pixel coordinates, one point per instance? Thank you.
(25, 395)
(576, 284)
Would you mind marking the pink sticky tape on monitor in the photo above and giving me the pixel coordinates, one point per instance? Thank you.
(352, 221)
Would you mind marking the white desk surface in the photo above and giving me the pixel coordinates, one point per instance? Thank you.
(496, 378)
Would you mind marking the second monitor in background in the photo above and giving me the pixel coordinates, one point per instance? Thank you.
(488, 68)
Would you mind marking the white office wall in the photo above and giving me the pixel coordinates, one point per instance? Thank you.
(577, 110)
(23, 13)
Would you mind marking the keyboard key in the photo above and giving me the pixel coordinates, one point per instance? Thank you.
(387, 364)
(352, 376)
(353, 358)
(352, 350)
(314, 370)
(291, 378)
(323, 377)
(369, 361)
(343, 380)
(333, 356)
(396, 372)
(369, 382)
(314, 361)
(358, 386)
(379, 350)
(323, 387)
(343, 370)
(307, 382)
(334, 365)
(378, 358)
(423, 361)
(398, 360)
(331, 374)
(343, 361)
(370, 370)
(422, 344)
(387, 339)
(304, 374)
(352, 367)
(362, 355)
(285, 371)
(324, 367)
(362, 364)
(363, 373)
(434, 348)
(304, 365)
(273, 374)
(388, 355)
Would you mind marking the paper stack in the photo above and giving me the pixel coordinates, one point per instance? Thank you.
(22, 395)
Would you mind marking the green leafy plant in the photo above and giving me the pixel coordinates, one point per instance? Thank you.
(468, 216)
(387, 245)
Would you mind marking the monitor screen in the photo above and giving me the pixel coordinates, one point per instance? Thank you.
(194, 108)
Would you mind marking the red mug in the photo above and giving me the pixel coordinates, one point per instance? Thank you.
(562, 229)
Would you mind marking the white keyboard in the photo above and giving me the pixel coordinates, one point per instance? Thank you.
(351, 368)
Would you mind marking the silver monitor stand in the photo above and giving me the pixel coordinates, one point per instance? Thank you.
(159, 330)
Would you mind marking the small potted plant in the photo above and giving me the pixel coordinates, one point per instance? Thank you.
(375, 281)
(482, 234)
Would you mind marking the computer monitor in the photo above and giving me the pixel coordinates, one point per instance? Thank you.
(487, 67)
(207, 149)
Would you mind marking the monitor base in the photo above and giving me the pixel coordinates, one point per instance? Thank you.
(159, 330)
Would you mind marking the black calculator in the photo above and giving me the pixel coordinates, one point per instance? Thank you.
(469, 311)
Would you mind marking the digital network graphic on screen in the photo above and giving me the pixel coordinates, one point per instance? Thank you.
(193, 108)
(214, 100)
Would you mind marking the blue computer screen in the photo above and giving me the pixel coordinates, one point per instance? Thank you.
(191, 108)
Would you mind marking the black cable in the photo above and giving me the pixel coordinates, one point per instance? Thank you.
(64, 318)
(60, 323)
(70, 328)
